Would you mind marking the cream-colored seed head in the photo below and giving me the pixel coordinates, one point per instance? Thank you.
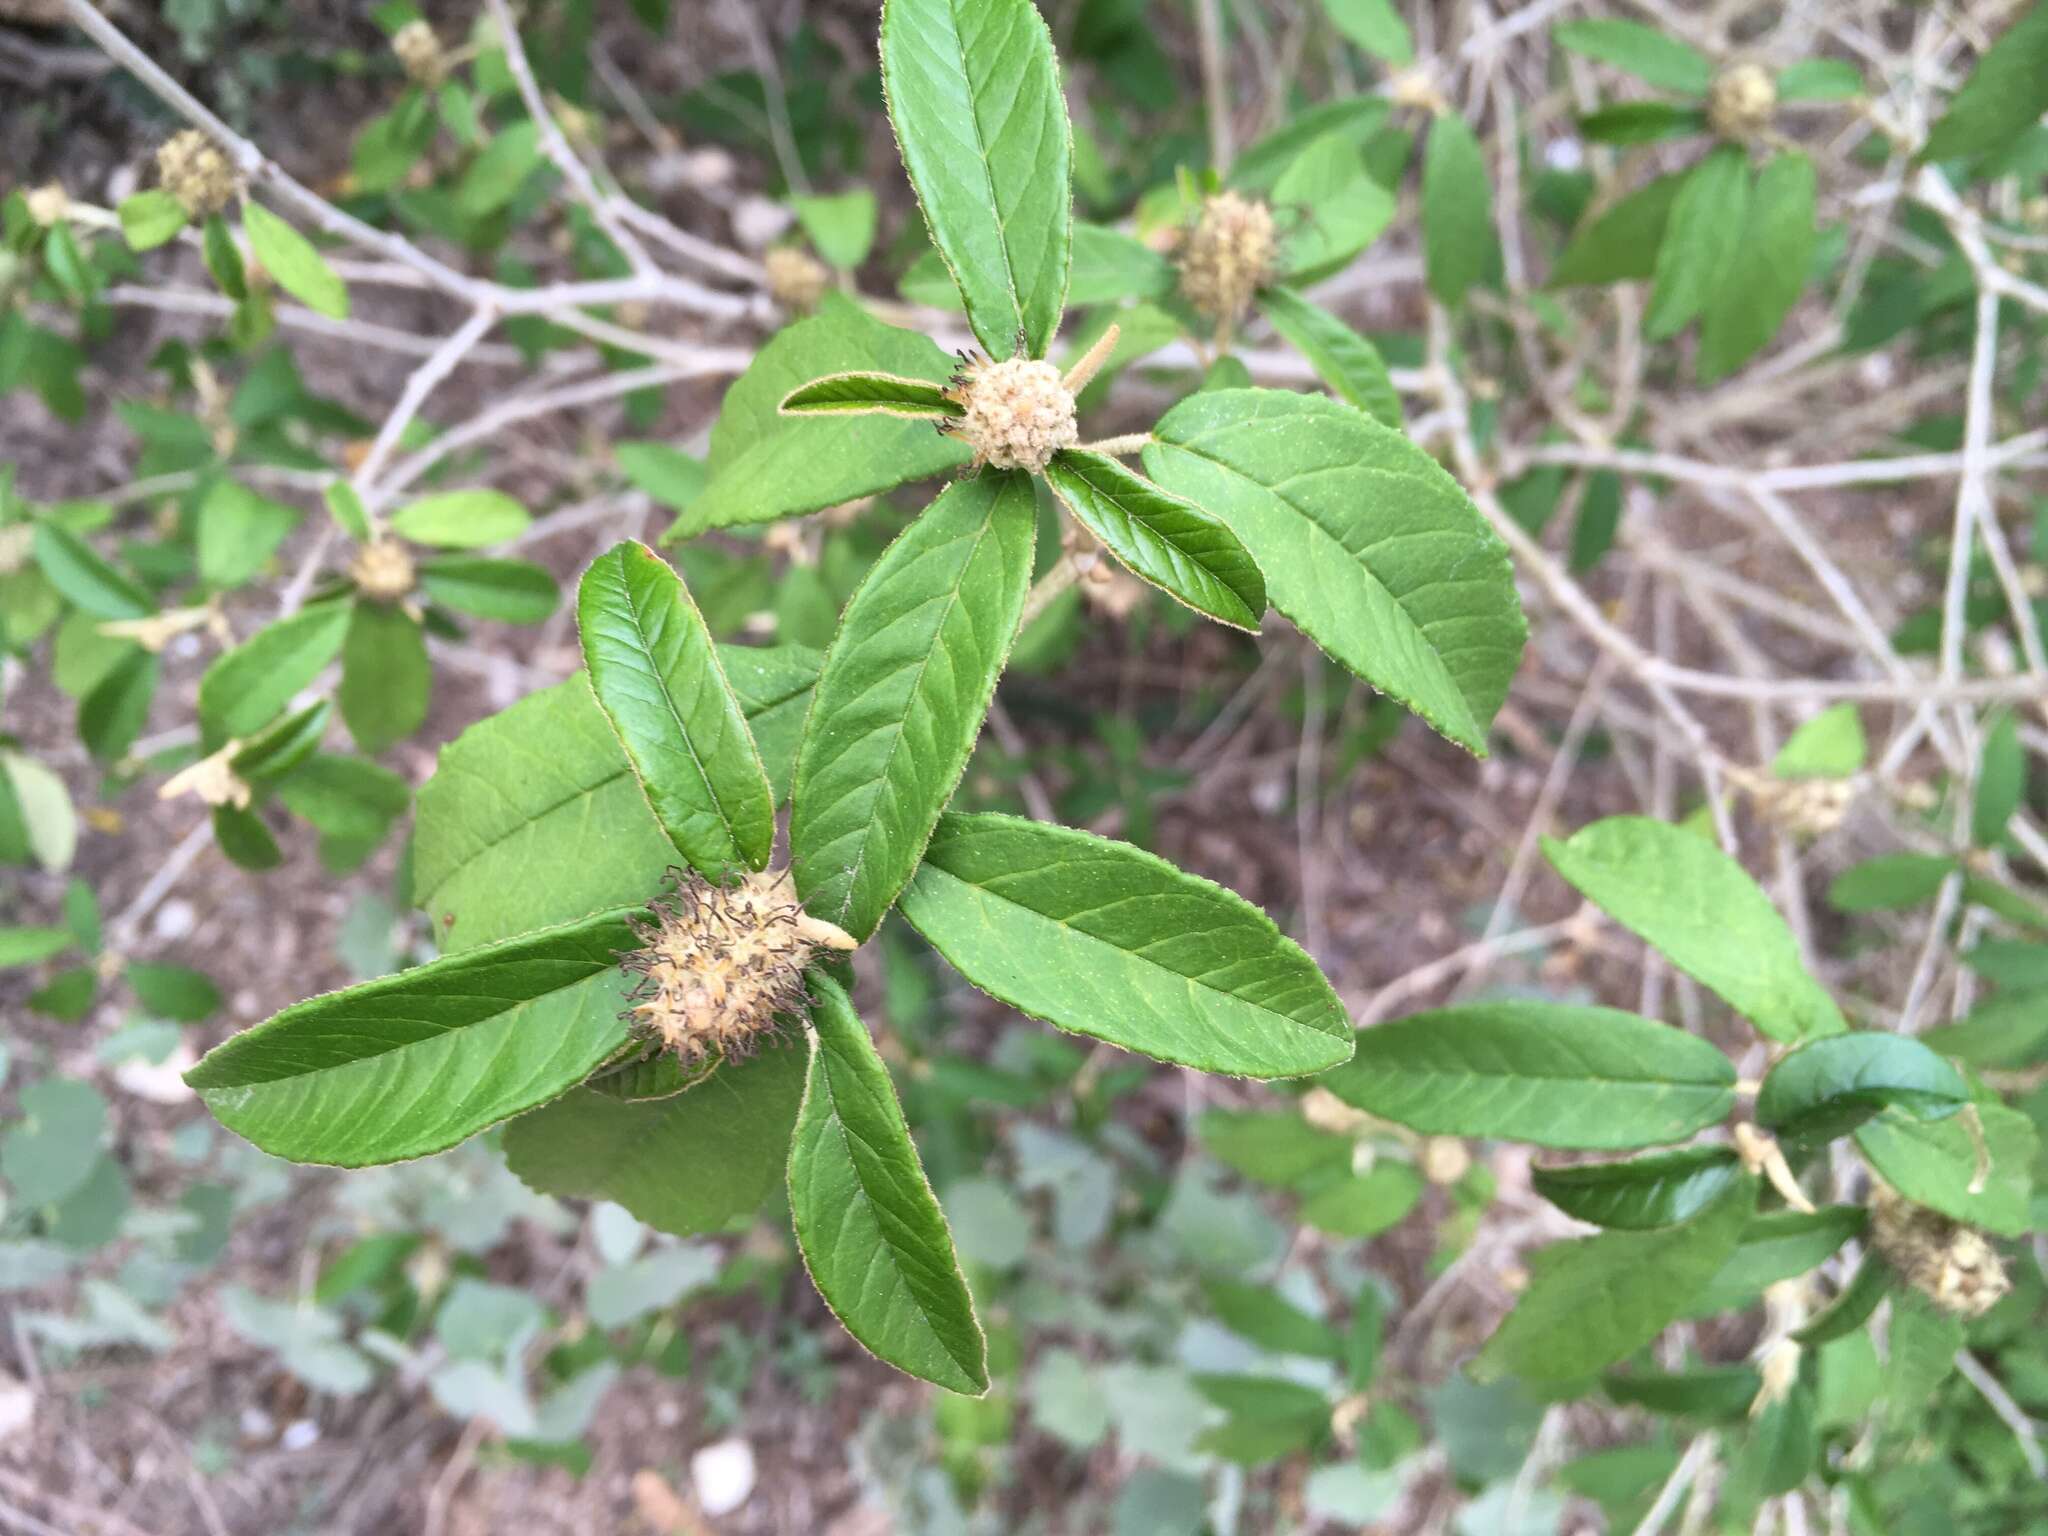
(194, 170)
(1741, 101)
(1806, 808)
(1019, 412)
(213, 779)
(383, 571)
(797, 280)
(419, 53)
(1950, 1264)
(49, 203)
(720, 964)
(1228, 256)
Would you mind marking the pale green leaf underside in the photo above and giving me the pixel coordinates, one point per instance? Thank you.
(1599, 1299)
(1704, 913)
(1164, 539)
(1548, 1073)
(1935, 1163)
(765, 465)
(871, 394)
(905, 686)
(414, 1063)
(1366, 544)
(590, 1145)
(974, 93)
(655, 674)
(871, 1230)
(1106, 940)
(533, 817)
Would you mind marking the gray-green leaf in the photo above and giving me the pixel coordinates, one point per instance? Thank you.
(655, 674)
(905, 686)
(1365, 542)
(974, 93)
(869, 1226)
(1457, 210)
(289, 257)
(1103, 939)
(1699, 907)
(1550, 1073)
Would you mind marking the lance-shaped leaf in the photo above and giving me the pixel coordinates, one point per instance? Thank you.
(591, 1144)
(974, 93)
(1599, 1299)
(655, 674)
(1457, 210)
(1365, 542)
(1981, 1174)
(1828, 1087)
(2004, 97)
(1342, 358)
(871, 394)
(1660, 1190)
(414, 1063)
(1188, 553)
(245, 688)
(1700, 243)
(1551, 1073)
(869, 1226)
(1104, 939)
(1776, 1246)
(386, 678)
(1643, 51)
(1767, 271)
(1620, 242)
(1703, 912)
(906, 683)
(765, 465)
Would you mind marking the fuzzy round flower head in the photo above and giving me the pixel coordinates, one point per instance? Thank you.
(720, 964)
(1741, 100)
(383, 571)
(1806, 808)
(1228, 256)
(1019, 412)
(193, 169)
(796, 278)
(1950, 1264)
(419, 53)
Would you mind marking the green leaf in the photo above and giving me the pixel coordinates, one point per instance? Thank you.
(246, 688)
(1273, 1146)
(1596, 1300)
(1375, 26)
(350, 802)
(1340, 210)
(765, 465)
(461, 519)
(31, 946)
(1890, 882)
(2007, 1031)
(510, 591)
(1105, 940)
(1936, 1163)
(590, 1145)
(1702, 242)
(1186, 552)
(289, 257)
(1365, 1205)
(842, 227)
(1621, 242)
(245, 839)
(1110, 266)
(149, 219)
(1655, 1191)
(2001, 782)
(1775, 1246)
(1852, 1306)
(114, 713)
(2006, 94)
(1356, 120)
(872, 394)
(774, 684)
(279, 748)
(533, 818)
(1642, 122)
(1765, 273)
(1826, 1088)
(49, 1153)
(669, 475)
(1829, 746)
(1714, 1392)
(1457, 210)
(386, 678)
(1820, 80)
(655, 674)
(974, 94)
(238, 533)
(1342, 358)
(1550, 1073)
(495, 176)
(223, 258)
(1641, 50)
(1921, 1344)
(1366, 544)
(1271, 1321)
(869, 1226)
(345, 506)
(1706, 916)
(173, 992)
(414, 1063)
(906, 683)
(85, 580)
